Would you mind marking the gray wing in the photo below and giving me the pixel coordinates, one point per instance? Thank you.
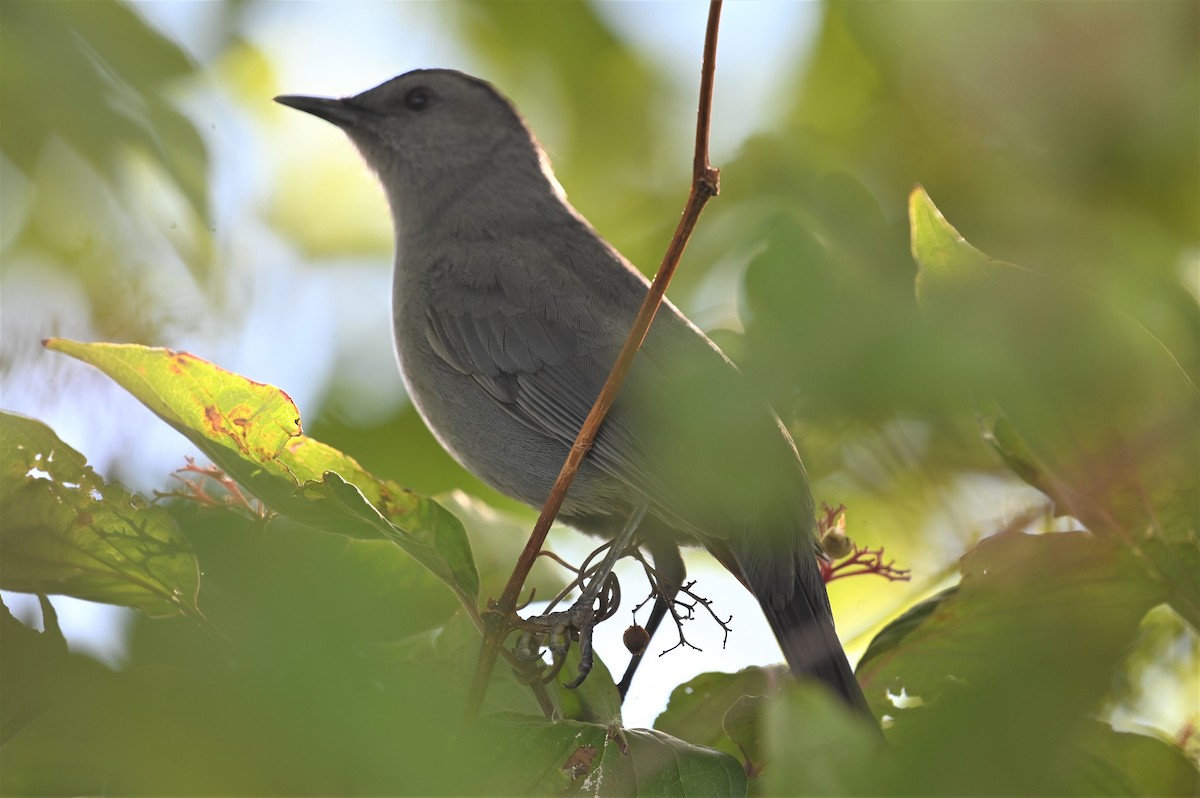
(684, 432)
(539, 365)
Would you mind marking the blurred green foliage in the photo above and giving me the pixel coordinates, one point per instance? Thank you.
(93, 81)
(73, 533)
(1062, 137)
(96, 75)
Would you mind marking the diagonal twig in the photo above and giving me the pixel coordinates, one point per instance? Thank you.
(705, 186)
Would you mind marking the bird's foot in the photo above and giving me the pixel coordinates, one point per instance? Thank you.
(556, 630)
(599, 599)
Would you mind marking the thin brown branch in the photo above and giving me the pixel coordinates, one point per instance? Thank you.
(702, 171)
(705, 185)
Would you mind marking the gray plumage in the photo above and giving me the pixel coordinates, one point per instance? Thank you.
(509, 312)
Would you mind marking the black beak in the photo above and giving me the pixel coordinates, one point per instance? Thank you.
(339, 112)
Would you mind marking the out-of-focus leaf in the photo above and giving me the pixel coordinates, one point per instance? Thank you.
(1015, 453)
(569, 757)
(30, 664)
(743, 724)
(830, 275)
(94, 73)
(1179, 563)
(436, 537)
(1018, 593)
(895, 633)
(357, 224)
(816, 746)
(955, 95)
(292, 697)
(597, 700)
(1028, 641)
(698, 708)
(68, 531)
(433, 536)
(252, 431)
(1102, 416)
(455, 649)
(1104, 761)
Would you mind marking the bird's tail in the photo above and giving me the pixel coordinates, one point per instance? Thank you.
(792, 596)
(811, 646)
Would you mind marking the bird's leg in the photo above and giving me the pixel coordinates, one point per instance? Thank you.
(592, 591)
(669, 573)
(582, 617)
(599, 575)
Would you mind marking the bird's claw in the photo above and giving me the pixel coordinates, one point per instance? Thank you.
(556, 630)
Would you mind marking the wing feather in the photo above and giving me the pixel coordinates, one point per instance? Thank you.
(540, 370)
(547, 375)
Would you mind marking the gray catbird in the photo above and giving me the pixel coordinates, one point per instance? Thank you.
(509, 311)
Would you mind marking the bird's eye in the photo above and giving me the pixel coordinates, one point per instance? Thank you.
(417, 99)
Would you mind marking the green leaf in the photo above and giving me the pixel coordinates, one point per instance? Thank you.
(743, 723)
(252, 432)
(597, 700)
(817, 746)
(287, 698)
(30, 664)
(454, 651)
(542, 757)
(242, 425)
(1016, 454)
(433, 536)
(1028, 641)
(946, 261)
(1105, 761)
(1180, 565)
(698, 709)
(895, 633)
(109, 72)
(68, 531)
(1094, 410)
(1074, 598)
